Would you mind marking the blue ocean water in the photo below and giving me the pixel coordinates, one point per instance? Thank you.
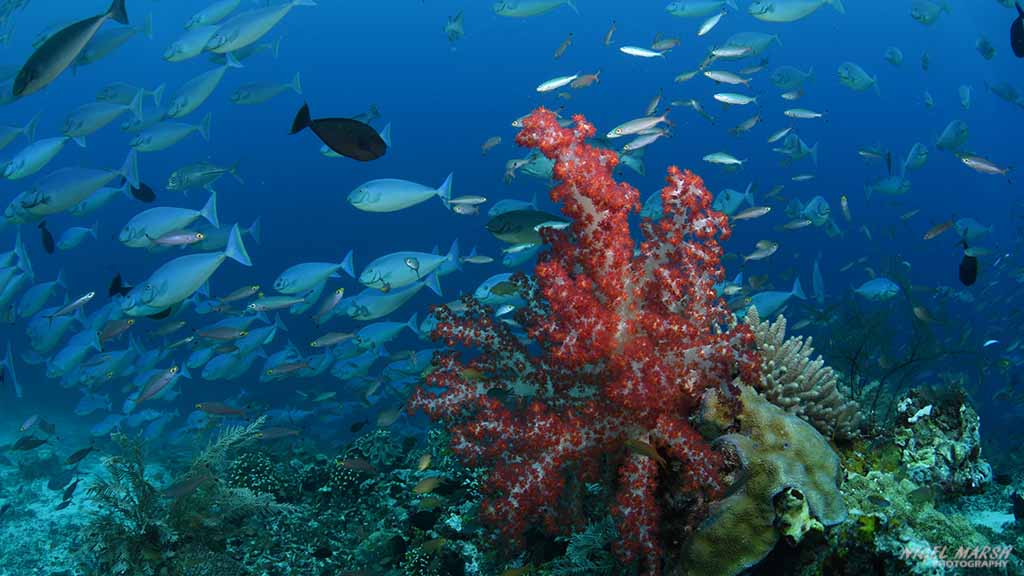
(444, 99)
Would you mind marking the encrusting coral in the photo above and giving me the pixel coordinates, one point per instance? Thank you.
(793, 381)
(788, 484)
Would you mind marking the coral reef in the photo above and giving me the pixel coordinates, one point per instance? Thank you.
(793, 381)
(938, 434)
(788, 484)
(629, 337)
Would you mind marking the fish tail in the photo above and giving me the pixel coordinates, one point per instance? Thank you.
(8, 366)
(233, 170)
(117, 12)
(60, 279)
(136, 104)
(130, 169)
(30, 129)
(95, 229)
(838, 5)
(254, 230)
(23, 261)
(236, 248)
(302, 120)
(209, 211)
(798, 290)
(347, 265)
(453, 254)
(385, 135)
(814, 153)
(147, 26)
(231, 62)
(445, 191)
(297, 84)
(414, 324)
(732, 4)
(158, 94)
(572, 4)
(433, 284)
(278, 324)
(204, 126)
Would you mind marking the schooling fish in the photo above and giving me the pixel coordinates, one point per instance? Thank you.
(348, 137)
(58, 52)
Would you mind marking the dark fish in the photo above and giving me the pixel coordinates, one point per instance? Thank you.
(3, 510)
(878, 501)
(70, 490)
(162, 314)
(61, 49)
(60, 481)
(47, 427)
(78, 456)
(143, 193)
(1018, 506)
(968, 269)
(888, 162)
(1017, 32)
(26, 443)
(357, 426)
(64, 504)
(118, 287)
(348, 137)
(48, 244)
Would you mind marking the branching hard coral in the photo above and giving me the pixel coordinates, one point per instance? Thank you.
(793, 381)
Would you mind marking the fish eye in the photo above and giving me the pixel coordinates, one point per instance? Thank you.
(173, 370)
(200, 236)
(270, 372)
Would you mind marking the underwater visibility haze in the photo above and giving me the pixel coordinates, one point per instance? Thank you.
(546, 287)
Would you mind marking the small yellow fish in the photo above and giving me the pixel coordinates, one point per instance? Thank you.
(645, 449)
(423, 463)
(427, 485)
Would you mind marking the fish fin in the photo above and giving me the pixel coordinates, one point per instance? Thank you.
(80, 140)
(814, 153)
(385, 135)
(874, 82)
(445, 191)
(732, 4)
(60, 279)
(158, 94)
(231, 62)
(233, 170)
(838, 5)
(303, 3)
(236, 249)
(23, 261)
(277, 46)
(30, 129)
(147, 26)
(798, 290)
(414, 324)
(297, 84)
(433, 284)
(749, 194)
(347, 264)
(209, 211)
(278, 324)
(453, 254)
(262, 317)
(136, 104)
(204, 126)
(302, 120)
(117, 12)
(184, 372)
(254, 230)
(9, 374)
(572, 4)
